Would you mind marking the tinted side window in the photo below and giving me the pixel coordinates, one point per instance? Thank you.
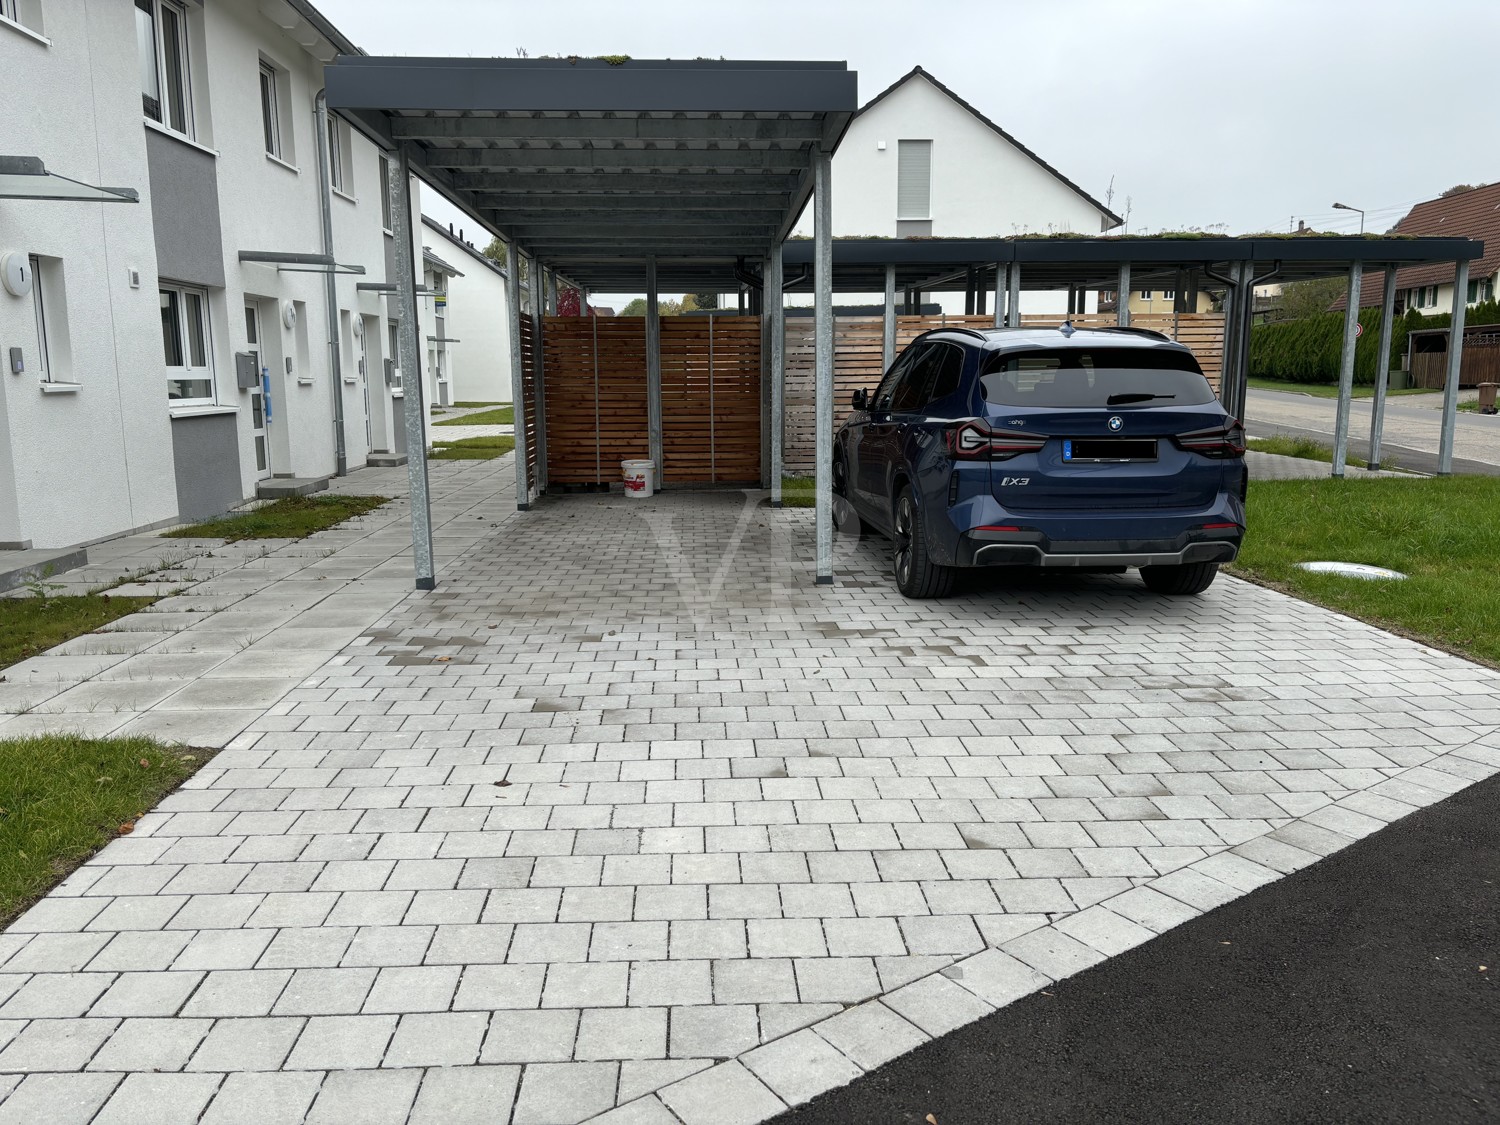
(911, 392)
(881, 399)
(947, 375)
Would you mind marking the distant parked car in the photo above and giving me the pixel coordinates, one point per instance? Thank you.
(1097, 449)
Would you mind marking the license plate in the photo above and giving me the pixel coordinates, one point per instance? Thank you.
(1109, 449)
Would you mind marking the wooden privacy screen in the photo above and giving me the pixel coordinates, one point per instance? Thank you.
(1480, 363)
(528, 394)
(857, 354)
(710, 399)
(594, 372)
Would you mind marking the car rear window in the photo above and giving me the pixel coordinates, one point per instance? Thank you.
(1084, 377)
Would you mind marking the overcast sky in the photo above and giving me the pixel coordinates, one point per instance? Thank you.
(1246, 113)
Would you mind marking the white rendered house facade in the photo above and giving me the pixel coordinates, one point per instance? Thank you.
(918, 161)
(193, 326)
(476, 323)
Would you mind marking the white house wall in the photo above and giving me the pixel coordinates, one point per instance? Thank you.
(81, 466)
(477, 319)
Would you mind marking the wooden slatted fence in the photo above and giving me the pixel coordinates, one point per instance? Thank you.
(528, 392)
(594, 370)
(857, 359)
(710, 399)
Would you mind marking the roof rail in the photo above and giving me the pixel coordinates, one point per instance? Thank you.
(1132, 329)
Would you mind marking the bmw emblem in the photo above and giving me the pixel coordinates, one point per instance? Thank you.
(1116, 424)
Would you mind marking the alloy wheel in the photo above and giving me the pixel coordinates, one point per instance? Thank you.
(901, 540)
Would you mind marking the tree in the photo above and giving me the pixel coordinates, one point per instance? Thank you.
(1301, 299)
(636, 307)
(703, 300)
(1459, 189)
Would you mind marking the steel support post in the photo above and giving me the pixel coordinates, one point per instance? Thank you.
(653, 373)
(1122, 296)
(1382, 367)
(1455, 362)
(1346, 370)
(539, 387)
(408, 353)
(1001, 269)
(888, 326)
(777, 331)
(1013, 300)
(517, 372)
(823, 352)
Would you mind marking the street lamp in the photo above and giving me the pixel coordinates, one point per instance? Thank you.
(1346, 207)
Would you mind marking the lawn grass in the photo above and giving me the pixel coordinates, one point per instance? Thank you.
(62, 798)
(468, 405)
(1286, 445)
(501, 416)
(29, 625)
(1440, 531)
(799, 492)
(472, 449)
(291, 517)
(1330, 390)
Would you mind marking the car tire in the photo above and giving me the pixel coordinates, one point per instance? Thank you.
(1187, 578)
(846, 521)
(917, 576)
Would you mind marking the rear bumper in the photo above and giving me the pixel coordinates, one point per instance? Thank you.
(1033, 548)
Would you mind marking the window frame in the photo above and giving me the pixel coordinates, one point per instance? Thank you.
(270, 109)
(183, 295)
(336, 176)
(169, 105)
(1145, 294)
(892, 377)
(39, 310)
(387, 215)
(901, 215)
(393, 341)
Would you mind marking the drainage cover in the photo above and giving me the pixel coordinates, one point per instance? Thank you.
(1351, 570)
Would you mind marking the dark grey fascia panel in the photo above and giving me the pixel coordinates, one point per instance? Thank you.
(644, 86)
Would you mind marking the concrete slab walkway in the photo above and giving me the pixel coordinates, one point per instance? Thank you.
(628, 820)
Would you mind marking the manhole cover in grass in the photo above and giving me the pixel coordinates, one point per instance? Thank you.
(1351, 570)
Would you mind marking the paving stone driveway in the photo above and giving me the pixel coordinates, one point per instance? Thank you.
(629, 819)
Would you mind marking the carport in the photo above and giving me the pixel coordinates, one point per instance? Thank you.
(619, 174)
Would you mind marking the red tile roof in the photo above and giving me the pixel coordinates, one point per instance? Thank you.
(1471, 214)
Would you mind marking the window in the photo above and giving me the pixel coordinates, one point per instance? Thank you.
(881, 398)
(393, 359)
(913, 179)
(1169, 294)
(933, 377)
(335, 154)
(39, 306)
(270, 113)
(1145, 294)
(385, 194)
(1480, 291)
(1094, 377)
(187, 346)
(161, 41)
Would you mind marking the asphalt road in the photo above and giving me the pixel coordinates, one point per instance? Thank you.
(1350, 991)
(1411, 431)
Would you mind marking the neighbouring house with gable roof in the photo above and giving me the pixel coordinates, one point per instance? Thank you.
(1429, 288)
(919, 161)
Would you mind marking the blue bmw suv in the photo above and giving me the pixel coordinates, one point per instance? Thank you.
(1098, 449)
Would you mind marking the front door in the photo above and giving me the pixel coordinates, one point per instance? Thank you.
(364, 377)
(260, 398)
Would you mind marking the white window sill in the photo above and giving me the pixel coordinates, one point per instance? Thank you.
(345, 196)
(22, 29)
(50, 388)
(292, 168)
(388, 232)
(303, 381)
(181, 138)
(207, 410)
(398, 394)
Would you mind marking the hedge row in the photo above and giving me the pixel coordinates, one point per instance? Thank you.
(1307, 350)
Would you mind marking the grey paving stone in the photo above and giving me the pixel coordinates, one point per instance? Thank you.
(58, 1099)
(55, 1044)
(427, 988)
(438, 1039)
(370, 1097)
(342, 1043)
(263, 1098)
(552, 1093)
(168, 1098)
(151, 1044)
(726, 1094)
(621, 1033)
(801, 1066)
(547, 1035)
(247, 1044)
(474, 1095)
(714, 1031)
(319, 992)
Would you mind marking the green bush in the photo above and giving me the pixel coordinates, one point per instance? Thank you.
(1307, 350)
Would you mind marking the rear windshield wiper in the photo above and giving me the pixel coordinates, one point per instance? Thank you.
(1120, 400)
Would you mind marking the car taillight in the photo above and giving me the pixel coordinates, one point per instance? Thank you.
(1226, 442)
(975, 441)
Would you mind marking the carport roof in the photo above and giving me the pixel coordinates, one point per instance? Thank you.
(594, 165)
(941, 264)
